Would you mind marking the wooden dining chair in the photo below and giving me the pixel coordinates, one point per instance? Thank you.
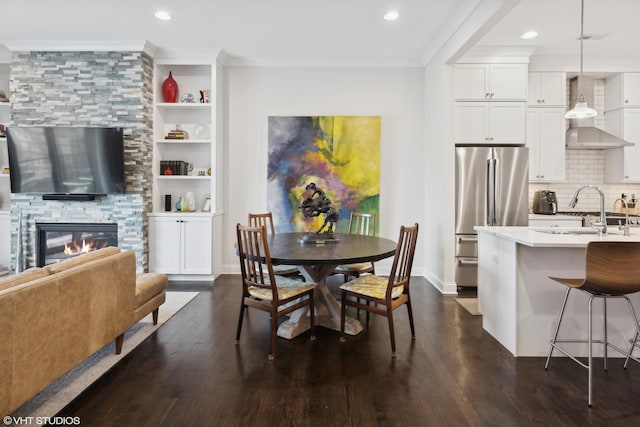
(612, 270)
(363, 224)
(263, 289)
(384, 294)
(266, 220)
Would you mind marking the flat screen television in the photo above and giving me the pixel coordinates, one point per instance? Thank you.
(66, 161)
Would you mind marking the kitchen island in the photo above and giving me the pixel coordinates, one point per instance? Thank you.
(520, 304)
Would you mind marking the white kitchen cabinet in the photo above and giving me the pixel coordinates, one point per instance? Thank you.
(547, 89)
(180, 244)
(622, 90)
(546, 142)
(622, 165)
(490, 122)
(495, 82)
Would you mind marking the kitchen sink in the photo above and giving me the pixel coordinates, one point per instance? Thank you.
(577, 230)
(569, 231)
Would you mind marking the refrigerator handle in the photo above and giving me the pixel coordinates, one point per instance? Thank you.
(489, 197)
(496, 191)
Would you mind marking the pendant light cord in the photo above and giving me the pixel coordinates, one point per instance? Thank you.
(581, 46)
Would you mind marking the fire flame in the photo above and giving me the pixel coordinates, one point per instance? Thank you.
(81, 249)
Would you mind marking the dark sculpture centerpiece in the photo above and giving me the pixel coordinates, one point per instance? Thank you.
(314, 203)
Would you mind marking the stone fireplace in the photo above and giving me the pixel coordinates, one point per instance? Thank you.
(86, 88)
(62, 240)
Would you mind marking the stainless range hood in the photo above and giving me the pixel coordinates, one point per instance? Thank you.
(582, 134)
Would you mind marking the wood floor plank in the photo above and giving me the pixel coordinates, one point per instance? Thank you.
(190, 373)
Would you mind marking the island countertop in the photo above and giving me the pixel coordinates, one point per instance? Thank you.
(558, 237)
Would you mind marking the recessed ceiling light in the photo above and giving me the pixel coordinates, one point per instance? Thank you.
(529, 35)
(392, 15)
(163, 15)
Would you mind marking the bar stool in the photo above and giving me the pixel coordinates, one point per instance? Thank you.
(612, 271)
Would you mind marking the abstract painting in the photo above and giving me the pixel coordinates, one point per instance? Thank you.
(340, 154)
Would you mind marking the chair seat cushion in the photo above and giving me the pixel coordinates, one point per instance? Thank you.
(371, 285)
(287, 288)
(284, 269)
(360, 266)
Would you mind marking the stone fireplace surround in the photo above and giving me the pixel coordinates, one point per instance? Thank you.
(86, 88)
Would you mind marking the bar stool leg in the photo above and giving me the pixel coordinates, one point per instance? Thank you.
(555, 334)
(635, 337)
(606, 341)
(590, 367)
(631, 348)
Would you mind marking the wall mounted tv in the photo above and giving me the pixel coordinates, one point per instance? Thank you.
(66, 163)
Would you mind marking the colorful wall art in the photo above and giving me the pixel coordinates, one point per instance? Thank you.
(341, 154)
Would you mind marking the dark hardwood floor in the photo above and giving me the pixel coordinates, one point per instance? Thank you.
(190, 373)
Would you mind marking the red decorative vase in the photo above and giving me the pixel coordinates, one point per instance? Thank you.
(170, 89)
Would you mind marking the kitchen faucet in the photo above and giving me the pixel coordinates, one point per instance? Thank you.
(602, 224)
(625, 227)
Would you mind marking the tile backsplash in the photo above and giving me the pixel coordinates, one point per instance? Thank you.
(587, 167)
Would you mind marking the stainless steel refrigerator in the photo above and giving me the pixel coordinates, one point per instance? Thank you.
(492, 189)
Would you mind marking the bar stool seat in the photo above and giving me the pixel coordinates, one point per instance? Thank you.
(612, 271)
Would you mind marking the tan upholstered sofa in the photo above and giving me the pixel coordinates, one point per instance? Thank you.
(53, 318)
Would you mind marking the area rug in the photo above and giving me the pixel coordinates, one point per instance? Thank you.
(469, 304)
(51, 400)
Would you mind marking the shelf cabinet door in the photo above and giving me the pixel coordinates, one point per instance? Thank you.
(631, 92)
(546, 142)
(471, 123)
(622, 164)
(180, 244)
(508, 82)
(472, 81)
(165, 245)
(495, 82)
(547, 90)
(507, 122)
(196, 245)
(490, 123)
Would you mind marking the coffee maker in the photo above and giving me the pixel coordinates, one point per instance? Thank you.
(545, 202)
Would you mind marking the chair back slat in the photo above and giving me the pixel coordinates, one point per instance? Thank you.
(262, 219)
(362, 223)
(613, 267)
(403, 259)
(253, 250)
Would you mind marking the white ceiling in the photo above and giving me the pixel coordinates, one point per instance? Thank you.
(558, 25)
(329, 32)
(284, 31)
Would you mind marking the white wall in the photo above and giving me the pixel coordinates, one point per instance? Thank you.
(397, 95)
(439, 162)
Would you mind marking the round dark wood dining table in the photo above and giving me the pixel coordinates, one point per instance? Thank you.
(315, 262)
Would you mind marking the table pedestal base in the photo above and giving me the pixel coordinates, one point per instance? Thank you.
(327, 308)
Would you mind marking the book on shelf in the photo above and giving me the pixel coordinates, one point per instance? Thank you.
(173, 167)
(177, 134)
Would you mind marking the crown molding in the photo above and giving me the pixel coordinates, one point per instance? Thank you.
(324, 63)
(188, 56)
(80, 46)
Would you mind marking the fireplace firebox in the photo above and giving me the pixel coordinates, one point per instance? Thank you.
(59, 241)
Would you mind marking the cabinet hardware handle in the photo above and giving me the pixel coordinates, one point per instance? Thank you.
(543, 101)
(467, 239)
(486, 95)
(492, 94)
(626, 101)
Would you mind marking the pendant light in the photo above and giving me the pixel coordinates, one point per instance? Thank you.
(581, 110)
